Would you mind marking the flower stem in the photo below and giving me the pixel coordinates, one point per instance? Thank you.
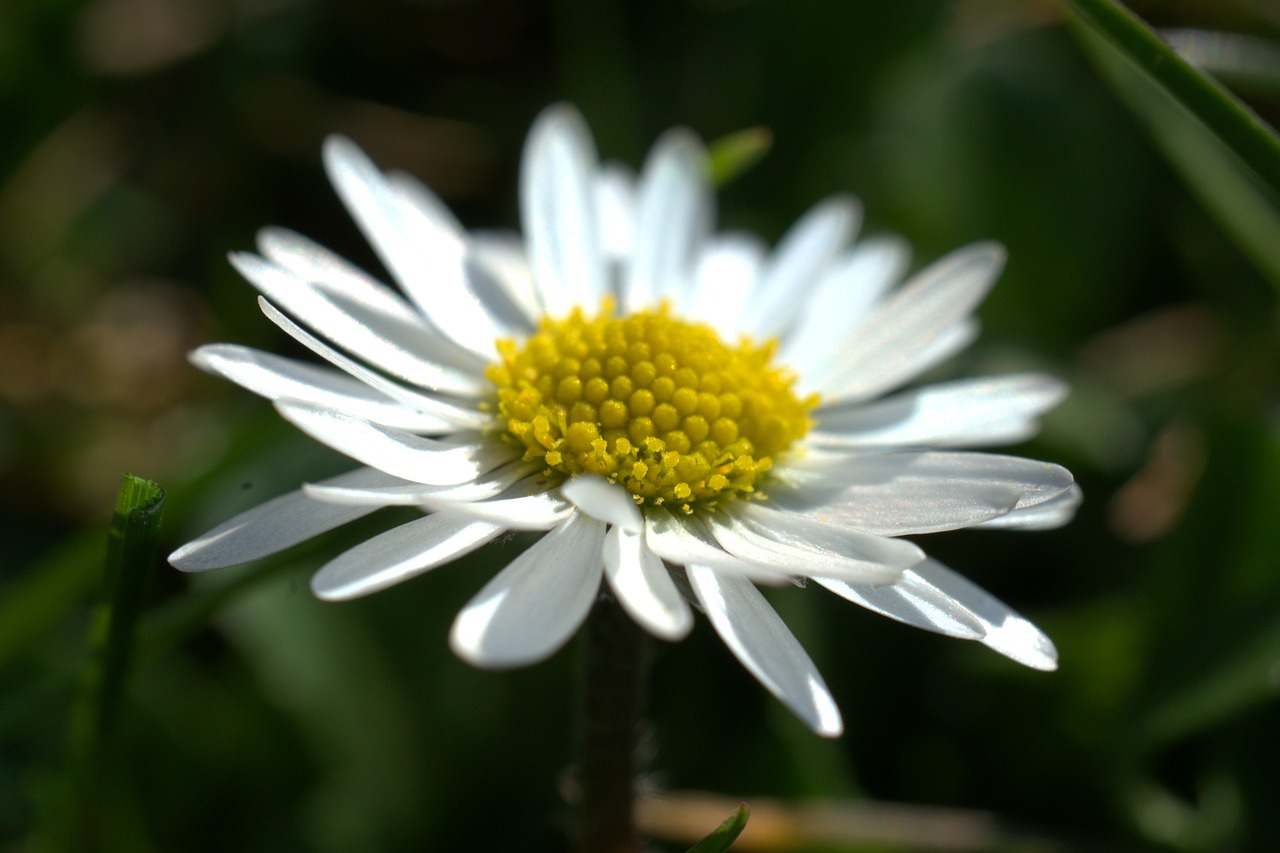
(614, 673)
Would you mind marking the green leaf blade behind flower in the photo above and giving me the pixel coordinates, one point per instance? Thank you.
(1238, 127)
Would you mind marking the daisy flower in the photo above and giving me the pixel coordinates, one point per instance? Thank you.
(685, 412)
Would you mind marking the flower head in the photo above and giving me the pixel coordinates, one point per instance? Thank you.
(662, 399)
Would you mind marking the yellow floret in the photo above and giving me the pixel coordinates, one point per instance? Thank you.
(658, 405)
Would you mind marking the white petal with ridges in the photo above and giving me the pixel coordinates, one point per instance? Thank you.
(853, 285)
(460, 415)
(1005, 631)
(487, 485)
(1051, 514)
(416, 238)
(684, 541)
(725, 276)
(799, 557)
(534, 605)
(873, 352)
(273, 377)
(604, 501)
(278, 524)
(383, 341)
(319, 267)
(798, 263)
(402, 454)
(399, 554)
(969, 412)
(643, 587)
(558, 210)
(913, 601)
(759, 639)
(673, 217)
(541, 511)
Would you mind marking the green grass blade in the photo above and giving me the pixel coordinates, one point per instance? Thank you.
(725, 834)
(1247, 135)
(131, 549)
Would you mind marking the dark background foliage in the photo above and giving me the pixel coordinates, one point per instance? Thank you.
(144, 139)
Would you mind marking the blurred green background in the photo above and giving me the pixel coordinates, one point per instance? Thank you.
(144, 139)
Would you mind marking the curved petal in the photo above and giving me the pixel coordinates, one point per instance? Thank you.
(1005, 631)
(871, 356)
(500, 274)
(319, 267)
(460, 415)
(540, 511)
(798, 556)
(278, 524)
(604, 501)
(645, 590)
(673, 216)
(533, 606)
(798, 262)
(487, 485)
(759, 639)
(417, 239)
(388, 343)
(685, 541)
(615, 192)
(401, 454)
(727, 269)
(399, 554)
(274, 377)
(557, 207)
(970, 412)
(913, 601)
(853, 286)
(1053, 513)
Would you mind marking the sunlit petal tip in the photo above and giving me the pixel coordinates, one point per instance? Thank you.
(604, 501)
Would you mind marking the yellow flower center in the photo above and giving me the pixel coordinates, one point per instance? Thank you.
(658, 405)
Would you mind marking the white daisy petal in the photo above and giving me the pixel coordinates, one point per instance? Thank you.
(317, 266)
(798, 262)
(914, 601)
(851, 288)
(278, 524)
(615, 191)
(1053, 513)
(798, 556)
(685, 541)
(908, 508)
(604, 501)
(872, 353)
(557, 207)
(1006, 632)
(402, 454)
(273, 377)
(673, 215)
(532, 607)
(500, 275)
(645, 590)
(810, 533)
(758, 638)
(541, 511)
(879, 473)
(399, 554)
(990, 410)
(725, 277)
(487, 485)
(376, 338)
(460, 416)
(417, 239)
